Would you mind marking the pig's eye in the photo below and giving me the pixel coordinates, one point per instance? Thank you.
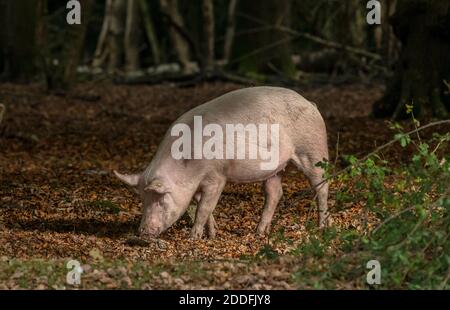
(162, 201)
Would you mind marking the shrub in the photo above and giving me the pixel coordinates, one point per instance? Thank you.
(409, 226)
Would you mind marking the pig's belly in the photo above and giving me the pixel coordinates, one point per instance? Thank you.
(245, 171)
(254, 170)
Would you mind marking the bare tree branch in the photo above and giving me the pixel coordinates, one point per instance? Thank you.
(315, 39)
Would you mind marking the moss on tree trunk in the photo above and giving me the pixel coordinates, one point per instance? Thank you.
(423, 27)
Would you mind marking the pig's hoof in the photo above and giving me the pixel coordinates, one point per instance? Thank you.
(262, 229)
(196, 234)
(211, 227)
(327, 222)
(211, 233)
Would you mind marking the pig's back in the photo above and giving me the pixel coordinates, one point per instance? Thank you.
(300, 122)
(255, 105)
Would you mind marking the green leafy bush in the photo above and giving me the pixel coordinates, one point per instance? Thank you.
(406, 208)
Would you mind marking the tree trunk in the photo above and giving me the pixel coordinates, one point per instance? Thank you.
(351, 31)
(73, 51)
(229, 33)
(132, 37)
(19, 26)
(170, 8)
(423, 27)
(384, 38)
(42, 34)
(265, 51)
(101, 50)
(116, 33)
(5, 30)
(150, 31)
(208, 23)
(390, 46)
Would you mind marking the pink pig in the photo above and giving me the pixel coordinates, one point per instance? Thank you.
(177, 175)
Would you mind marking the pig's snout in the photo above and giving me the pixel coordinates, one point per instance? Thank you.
(148, 233)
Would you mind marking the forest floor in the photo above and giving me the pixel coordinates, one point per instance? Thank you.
(60, 201)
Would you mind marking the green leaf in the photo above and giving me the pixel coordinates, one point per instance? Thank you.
(409, 108)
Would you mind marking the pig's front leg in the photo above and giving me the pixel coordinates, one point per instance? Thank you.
(211, 223)
(273, 192)
(210, 194)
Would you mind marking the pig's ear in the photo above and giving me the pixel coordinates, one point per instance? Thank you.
(156, 186)
(130, 179)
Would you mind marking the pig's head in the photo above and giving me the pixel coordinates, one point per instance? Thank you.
(161, 207)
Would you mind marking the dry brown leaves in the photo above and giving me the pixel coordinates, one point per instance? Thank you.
(58, 198)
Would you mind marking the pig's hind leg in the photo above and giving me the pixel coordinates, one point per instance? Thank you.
(210, 194)
(315, 176)
(211, 227)
(273, 192)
